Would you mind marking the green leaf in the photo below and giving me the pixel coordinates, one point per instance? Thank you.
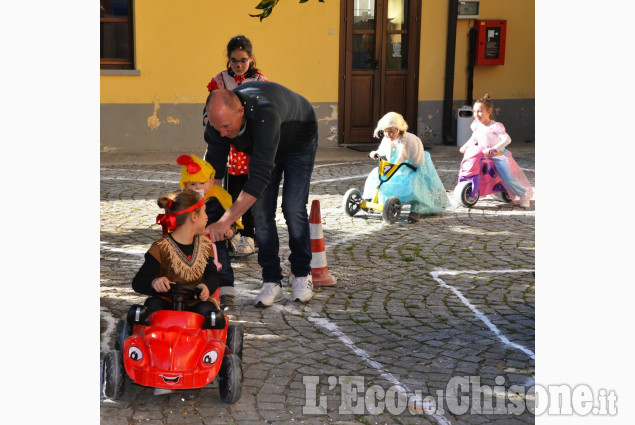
(267, 7)
(264, 4)
(266, 13)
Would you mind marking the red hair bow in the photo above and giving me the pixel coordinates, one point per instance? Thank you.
(167, 222)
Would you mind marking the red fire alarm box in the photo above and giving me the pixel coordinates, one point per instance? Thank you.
(490, 42)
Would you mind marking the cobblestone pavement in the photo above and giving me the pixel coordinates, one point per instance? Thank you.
(416, 308)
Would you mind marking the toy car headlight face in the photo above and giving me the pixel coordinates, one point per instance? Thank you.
(135, 353)
(210, 357)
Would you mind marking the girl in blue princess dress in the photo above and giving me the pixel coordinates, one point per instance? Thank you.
(422, 189)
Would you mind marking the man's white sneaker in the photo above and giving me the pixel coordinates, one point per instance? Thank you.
(302, 288)
(269, 293)
(525, 204)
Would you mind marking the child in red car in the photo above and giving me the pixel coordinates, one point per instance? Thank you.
(183, 255)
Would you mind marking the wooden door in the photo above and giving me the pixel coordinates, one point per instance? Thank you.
(379, 65)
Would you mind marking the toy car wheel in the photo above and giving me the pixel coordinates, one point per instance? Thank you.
(502, 196)
(392, 209)
(112, 375)
(231, 379)
(235, 334)
(123, 333)
(463, 194)
(351, 202)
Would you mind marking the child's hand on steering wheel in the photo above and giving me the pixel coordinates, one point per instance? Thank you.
(161, 284)
(204, 292)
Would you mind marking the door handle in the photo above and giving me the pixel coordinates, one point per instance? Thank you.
(374, 63)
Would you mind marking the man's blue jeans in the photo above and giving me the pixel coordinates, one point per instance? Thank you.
(296, 167)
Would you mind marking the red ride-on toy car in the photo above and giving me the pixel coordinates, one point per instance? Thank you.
(175, 349)
(478, 177)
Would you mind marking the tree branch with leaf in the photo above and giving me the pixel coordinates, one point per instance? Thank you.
(267, 7)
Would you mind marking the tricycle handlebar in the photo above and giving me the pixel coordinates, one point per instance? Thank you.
(377, 158)
(412, 167)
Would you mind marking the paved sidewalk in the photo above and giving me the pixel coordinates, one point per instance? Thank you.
(323, 154)
(417, 308)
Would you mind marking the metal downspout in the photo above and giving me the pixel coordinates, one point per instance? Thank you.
(470, 65)
(448, 90)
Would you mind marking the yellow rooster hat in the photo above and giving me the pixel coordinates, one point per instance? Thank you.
(194, 169)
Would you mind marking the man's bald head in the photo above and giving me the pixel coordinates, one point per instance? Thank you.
(222, 97)
(225, 112)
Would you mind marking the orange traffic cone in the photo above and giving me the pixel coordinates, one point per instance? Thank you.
(319, 270)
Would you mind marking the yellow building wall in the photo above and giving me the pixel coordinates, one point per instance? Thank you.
(513, 80)
(180, 46)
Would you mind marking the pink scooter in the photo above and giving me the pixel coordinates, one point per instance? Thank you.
(477, 177)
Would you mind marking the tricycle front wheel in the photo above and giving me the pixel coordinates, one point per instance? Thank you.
(351, 201)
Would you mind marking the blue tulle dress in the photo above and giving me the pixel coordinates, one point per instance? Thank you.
(423, 190)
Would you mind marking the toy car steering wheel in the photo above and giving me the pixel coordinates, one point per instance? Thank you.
(179, 293)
